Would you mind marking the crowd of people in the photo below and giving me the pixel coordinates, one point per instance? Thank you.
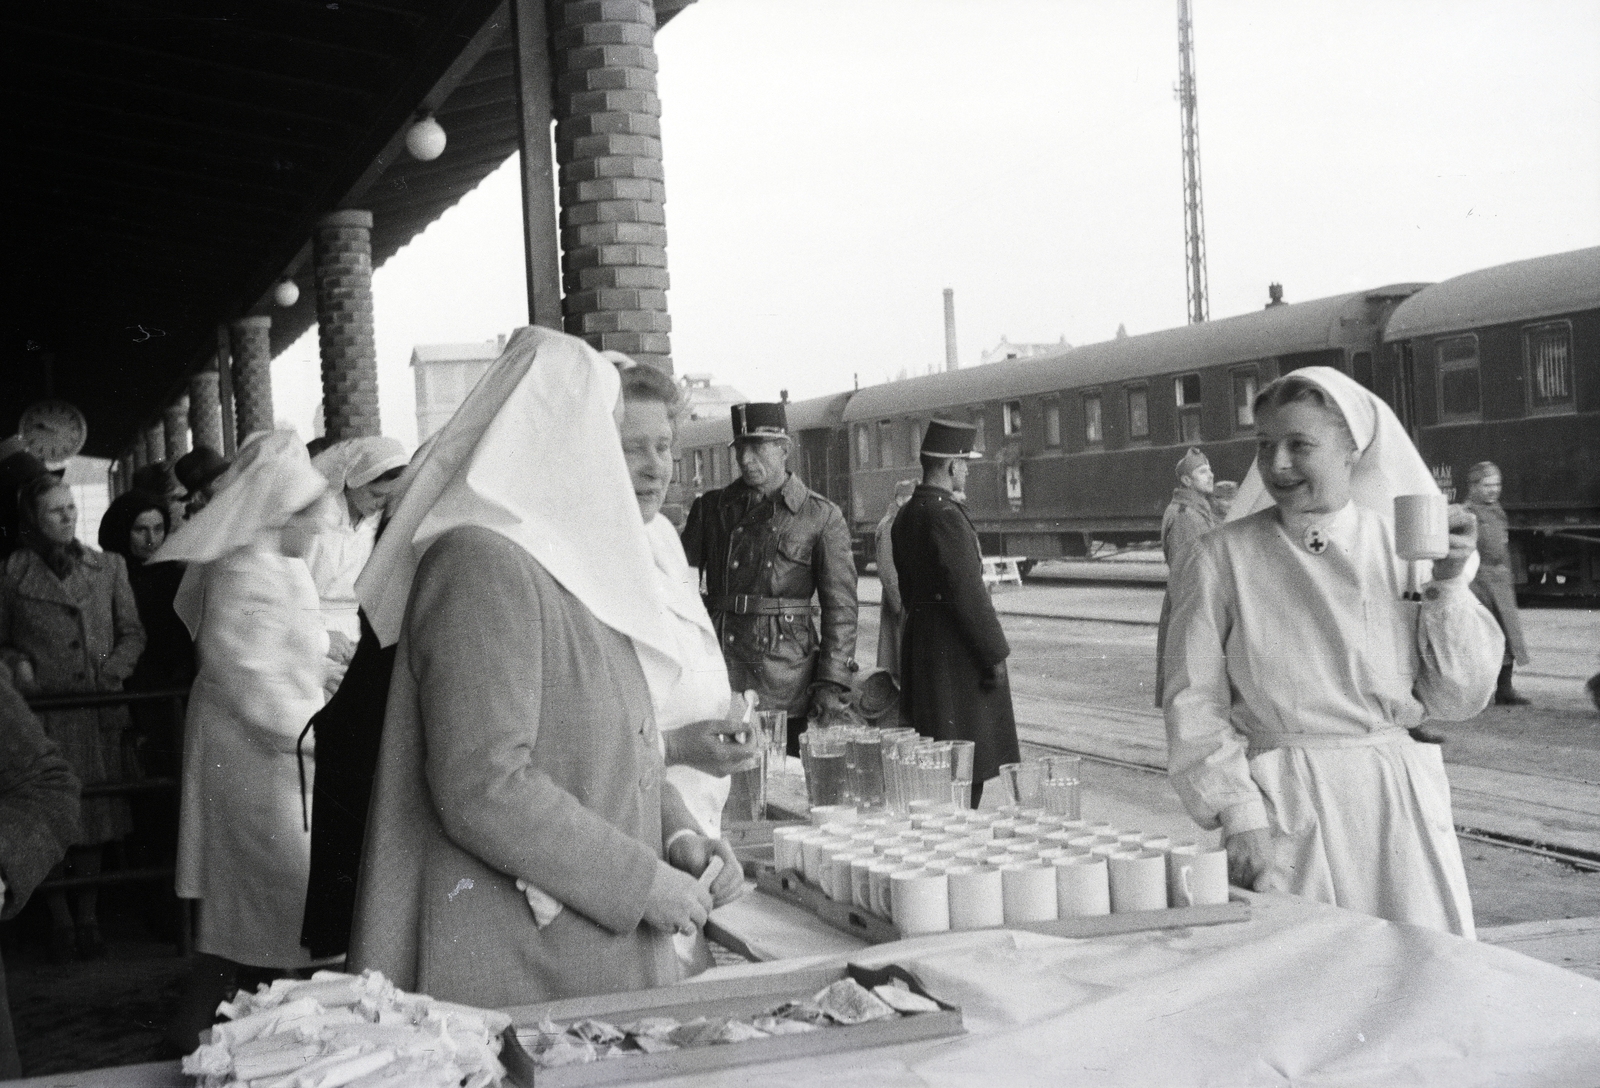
(469, 717)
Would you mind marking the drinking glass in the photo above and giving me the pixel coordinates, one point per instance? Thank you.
(1061, 789)
(774, 729)
(894, 741)
(822, 752)
(747, 793)
(1024, 783)
(864, 760)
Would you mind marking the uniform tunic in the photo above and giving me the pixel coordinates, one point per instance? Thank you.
(785, 547)
(1292, 678)
(1188, 517)
(891, 615)
(243, 849)
(952, 642)
(1493, 584)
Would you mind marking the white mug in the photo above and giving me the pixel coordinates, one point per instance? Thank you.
(1196, 876)
(1138, 881)
(1421, 527)
(1081, 886)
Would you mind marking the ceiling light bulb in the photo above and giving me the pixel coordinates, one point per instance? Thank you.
(287, 293)
(425, 139)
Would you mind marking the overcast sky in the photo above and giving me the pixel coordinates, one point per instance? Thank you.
(832, 165)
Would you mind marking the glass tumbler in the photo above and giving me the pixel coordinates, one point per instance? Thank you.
(1024, 783)
(1061, 788)
(774, 728)
(822, 753)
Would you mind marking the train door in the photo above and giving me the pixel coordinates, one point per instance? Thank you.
(1405, 389)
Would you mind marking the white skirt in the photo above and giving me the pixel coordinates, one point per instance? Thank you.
(1364, 823)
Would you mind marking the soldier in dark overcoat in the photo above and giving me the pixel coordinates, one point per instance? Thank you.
(765, 545)
(953, 652)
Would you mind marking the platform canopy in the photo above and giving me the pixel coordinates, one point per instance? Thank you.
(170, 157)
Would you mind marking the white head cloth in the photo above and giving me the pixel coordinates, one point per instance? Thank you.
(269, 482)
(357, 461)
(534, 455)
(1390, 465)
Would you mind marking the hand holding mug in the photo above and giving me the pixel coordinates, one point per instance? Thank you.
(1463, 542)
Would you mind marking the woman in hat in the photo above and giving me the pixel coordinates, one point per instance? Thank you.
(1295, 667)
(521, 747)
(362, 473)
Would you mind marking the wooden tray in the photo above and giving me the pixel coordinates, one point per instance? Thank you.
(723, 997)
(791, 887)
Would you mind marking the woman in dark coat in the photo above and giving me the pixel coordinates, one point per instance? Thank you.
(69, 624)
(135, 525)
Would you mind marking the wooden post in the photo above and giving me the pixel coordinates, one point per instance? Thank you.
(530, 47)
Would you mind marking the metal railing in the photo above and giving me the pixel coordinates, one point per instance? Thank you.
(177, 700)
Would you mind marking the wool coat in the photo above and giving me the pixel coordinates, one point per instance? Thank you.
(891, 614)
(38, 819)
(519, 743)
(1494, 585)
(81, 635)
(953, 651)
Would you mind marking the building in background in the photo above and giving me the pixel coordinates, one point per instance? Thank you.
(706, 399)
(1005, 349)
(445, 374)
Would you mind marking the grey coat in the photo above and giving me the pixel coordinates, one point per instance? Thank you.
(81, 635)
(519, 743)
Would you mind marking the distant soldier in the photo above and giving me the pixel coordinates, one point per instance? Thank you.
(1188, 517)
(1222, 496)
(764, 545)
(891, 613)
(953, 655)
(1493, 583)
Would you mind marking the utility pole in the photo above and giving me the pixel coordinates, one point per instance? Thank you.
(1194, 215)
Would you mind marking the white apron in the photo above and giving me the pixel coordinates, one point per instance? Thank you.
(243, 850)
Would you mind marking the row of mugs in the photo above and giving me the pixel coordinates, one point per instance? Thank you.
(934, 874)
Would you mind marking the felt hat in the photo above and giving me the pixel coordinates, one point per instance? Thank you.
(756, 420)
(1192, 460)
(945, 438)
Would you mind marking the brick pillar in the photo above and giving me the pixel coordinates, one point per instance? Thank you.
(608, 144)
(155, 443)
(175, 427)
(205, 409)
(342, 255)
(252, 374)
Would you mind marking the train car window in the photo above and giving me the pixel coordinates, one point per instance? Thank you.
(863, 447)
(913, 442)
(733, 464)
(677, 470)
(1093, 431)
(1244, 398)
(1361, 368)
(699, 468)
(1547, 350)
(1460, 395)
(1052, 422)
(1011, 418)
(979, 440)
(1138, 412)
(1186, 391)
(885, 443)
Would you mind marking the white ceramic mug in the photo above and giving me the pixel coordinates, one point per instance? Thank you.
(1421, 527)
(977, 897)
(1081, 886)
(920, 901)
(1138, 881)
(1197, 876)
(1029, 892)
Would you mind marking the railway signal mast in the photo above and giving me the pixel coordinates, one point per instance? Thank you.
(1194, 216)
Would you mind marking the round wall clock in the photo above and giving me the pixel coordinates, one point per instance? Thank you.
(53, 430)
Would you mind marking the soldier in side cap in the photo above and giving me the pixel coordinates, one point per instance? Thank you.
(1189, 516)
(953, 652)
(765, 544)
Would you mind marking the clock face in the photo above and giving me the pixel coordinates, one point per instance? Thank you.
(53, 430)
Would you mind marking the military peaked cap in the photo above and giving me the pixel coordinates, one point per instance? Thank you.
(759, 421)
(947, 439)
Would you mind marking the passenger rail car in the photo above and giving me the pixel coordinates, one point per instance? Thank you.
(1503, 365)
(1080, 445)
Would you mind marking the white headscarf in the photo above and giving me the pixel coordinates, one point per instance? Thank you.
(269, 482)
(1390, 465)
(355, 462)
(533, 454)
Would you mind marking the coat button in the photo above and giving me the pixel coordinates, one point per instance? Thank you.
(73, 645)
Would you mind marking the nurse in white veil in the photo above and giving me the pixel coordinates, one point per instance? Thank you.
(1296, 666)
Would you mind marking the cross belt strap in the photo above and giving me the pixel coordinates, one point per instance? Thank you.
(744, 605)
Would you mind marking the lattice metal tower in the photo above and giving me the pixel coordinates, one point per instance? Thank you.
(1194, 213)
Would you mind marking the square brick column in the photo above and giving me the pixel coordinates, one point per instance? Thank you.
(205, 409)
(155, 443)
(342, 259)
(175, 427)
(252, 374)
(608, 144)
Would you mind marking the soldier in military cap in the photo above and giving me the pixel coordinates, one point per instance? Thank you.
(765, 544)
(953, 652)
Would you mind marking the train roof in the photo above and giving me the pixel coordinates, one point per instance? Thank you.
(1262, 334)
(817, 413)
(1561, 283)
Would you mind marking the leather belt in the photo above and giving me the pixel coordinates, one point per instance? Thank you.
(746, 605)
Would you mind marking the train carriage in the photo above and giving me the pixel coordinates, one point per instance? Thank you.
(1079, 445)
(1503, 365)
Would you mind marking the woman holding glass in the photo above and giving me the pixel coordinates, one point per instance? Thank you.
(1296, 667)
(521, 748)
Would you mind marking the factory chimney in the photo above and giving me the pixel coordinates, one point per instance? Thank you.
(951, 360)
